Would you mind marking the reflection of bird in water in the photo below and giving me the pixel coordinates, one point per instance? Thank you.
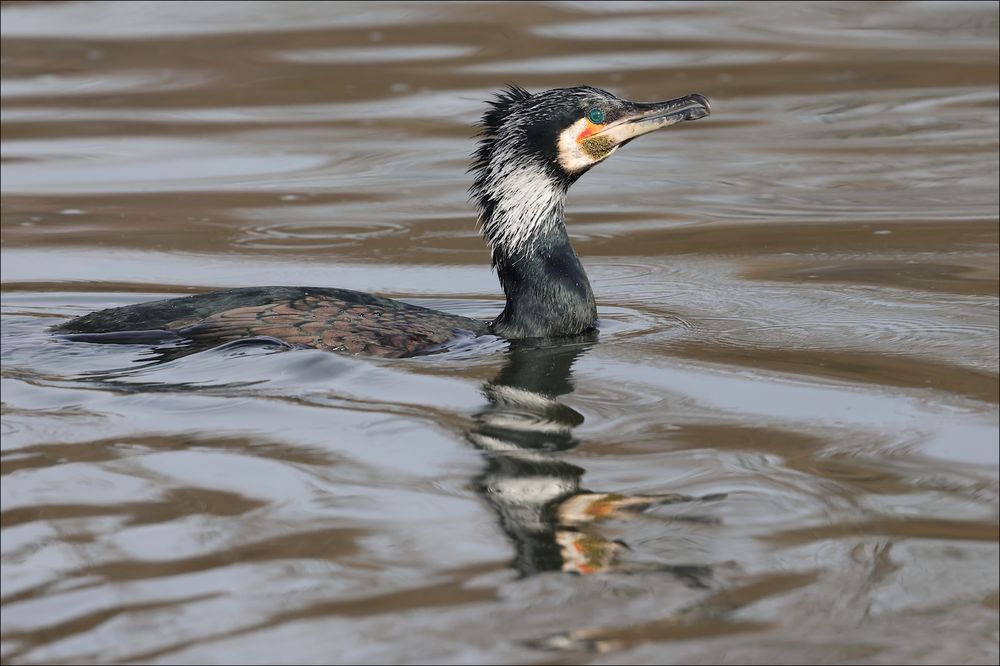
(534, 146)
(536, 494)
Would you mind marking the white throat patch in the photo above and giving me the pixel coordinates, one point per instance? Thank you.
(525, 201)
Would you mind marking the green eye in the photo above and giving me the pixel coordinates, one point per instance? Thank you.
(596, 116)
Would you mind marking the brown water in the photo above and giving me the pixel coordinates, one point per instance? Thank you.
(789, 417)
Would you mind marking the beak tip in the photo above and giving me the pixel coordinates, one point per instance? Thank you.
(703, 101)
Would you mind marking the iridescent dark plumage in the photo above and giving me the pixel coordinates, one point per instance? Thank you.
(332, 319)
(532, 148)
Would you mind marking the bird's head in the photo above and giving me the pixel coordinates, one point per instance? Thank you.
(569, 130)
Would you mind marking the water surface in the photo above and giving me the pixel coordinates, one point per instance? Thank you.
(781, 447)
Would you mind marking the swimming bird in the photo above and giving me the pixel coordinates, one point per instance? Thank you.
(533, 147)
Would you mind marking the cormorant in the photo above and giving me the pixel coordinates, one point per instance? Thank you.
(532, 148)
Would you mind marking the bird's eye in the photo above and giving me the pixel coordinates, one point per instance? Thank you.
(596, 116)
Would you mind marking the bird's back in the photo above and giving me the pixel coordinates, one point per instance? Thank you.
(330, 319)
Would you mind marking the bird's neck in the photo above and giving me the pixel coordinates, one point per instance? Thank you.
(548, 293)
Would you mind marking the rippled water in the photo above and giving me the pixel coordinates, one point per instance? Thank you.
(781, 448)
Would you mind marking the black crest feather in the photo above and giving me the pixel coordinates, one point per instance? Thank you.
(510, 95)
(499, 108)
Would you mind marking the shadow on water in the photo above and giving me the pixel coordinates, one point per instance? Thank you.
(539, 498)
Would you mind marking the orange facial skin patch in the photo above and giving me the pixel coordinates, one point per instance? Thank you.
(589, 129)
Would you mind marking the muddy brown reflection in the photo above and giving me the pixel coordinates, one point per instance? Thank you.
(797, 305)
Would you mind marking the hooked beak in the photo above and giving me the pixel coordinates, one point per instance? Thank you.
(646, 118)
